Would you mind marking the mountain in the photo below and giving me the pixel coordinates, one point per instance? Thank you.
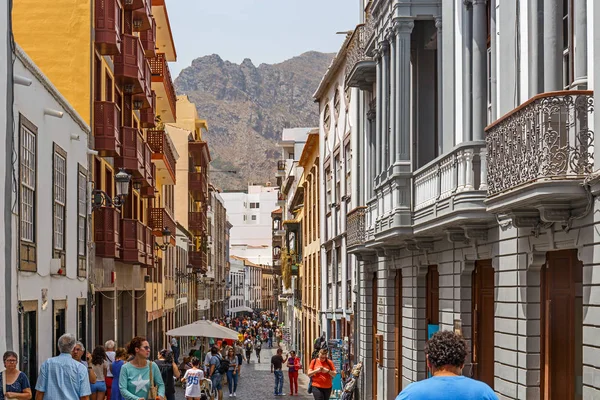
(247, 107)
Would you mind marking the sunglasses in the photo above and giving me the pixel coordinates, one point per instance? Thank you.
(146, 347)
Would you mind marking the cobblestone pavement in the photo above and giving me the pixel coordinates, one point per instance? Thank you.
(256, 381)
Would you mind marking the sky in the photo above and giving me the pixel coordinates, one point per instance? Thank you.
(265, 31)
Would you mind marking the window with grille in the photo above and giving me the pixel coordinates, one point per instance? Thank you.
(28, 183)
(81, 211)
(327, 118)
(60, 198)
(336, 103)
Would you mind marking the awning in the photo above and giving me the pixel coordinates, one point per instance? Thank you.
(204, 328)
(240, 309)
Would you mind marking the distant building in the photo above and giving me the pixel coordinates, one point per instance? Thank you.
(236, 282)
(252, 281)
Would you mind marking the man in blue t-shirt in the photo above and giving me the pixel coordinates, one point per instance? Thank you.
(446, 353)
(213, 372)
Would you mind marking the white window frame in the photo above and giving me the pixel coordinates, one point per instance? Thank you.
(28, 178)
(81, 212)
(59, 199)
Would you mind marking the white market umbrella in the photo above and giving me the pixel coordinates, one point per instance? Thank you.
(240, 309)
(204, 328)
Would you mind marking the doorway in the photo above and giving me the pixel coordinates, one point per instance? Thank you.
(28, 361)
(482, 309)
(60, 323)
(432, 303)
(398, 330)
(562, 322)
(374, 328)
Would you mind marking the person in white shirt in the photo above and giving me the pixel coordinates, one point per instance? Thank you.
(109, 347)
(193, 380)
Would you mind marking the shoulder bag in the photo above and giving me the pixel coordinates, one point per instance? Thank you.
(310, 387)
(153, 391)
(4, 383)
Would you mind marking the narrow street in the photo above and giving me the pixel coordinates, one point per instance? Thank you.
(256, 381)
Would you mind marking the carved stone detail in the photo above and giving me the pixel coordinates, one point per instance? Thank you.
(525, 219)
(535, 260)
(554, 212)
(476, 232)
(456, 235)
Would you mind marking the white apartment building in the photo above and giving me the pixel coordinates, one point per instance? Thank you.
(51, 213)
(251, 284)
(476, 200)
(250, 216)
(236, 283)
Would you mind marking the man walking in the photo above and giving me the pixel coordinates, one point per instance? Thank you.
(276, 368)
(213, 372)
(62, 377)
(175, 349)
(109, 346)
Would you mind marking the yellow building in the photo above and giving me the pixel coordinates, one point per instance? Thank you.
(310, 271)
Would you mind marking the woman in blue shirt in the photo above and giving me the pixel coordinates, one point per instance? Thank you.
(12, 381)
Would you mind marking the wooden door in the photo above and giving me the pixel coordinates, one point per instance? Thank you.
(432, 303)
(398, 330)
(562, 309)
(375, 349)
(483, 322)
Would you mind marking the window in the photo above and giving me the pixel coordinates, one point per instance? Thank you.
(327, 118)
(489, 85)
(567, 43)
(254, 218)
(338, 174)
(336, 103)
(254, 205)
(28, 183)
(81, 219)
(60, 199)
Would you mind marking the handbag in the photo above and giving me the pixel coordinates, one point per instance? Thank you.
(310, 387)
(153, 391)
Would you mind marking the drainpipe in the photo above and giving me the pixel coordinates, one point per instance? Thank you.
(479, 53)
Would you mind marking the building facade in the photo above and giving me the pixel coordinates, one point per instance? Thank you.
(252, 284)
(475, 200)
(236, 282)
(217, 251)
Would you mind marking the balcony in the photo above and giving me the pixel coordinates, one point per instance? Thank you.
(360, 68)
(281, 200)
(163, 86)
(149, 179)
(132, 155)
(197, 222)
(162, 155)
(141, 12)
(280, 168)
(149, 243)
(199, 261)
(130, 65)
(147, 115)
(107, 232)
(450, 191)
(106, 129)
(134, 242)
(145, 99)
(538, 156)
(355, 231)
(197, 184)
(148, 38)
(107, 26)
(198, 151)
(159, 219)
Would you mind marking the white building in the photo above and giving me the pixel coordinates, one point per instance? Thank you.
(252, 281)
(236, 283)
(50, 215)
(250, 216)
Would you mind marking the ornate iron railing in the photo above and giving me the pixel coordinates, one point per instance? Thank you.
(546, 138)
(355, 223)
(357, 48)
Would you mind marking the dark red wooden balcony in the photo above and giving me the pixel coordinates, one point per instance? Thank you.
(130, 65)
(133, 242)
(149, 243)
(197, 185)
(148, 38)
(163, 155)
(106, 129)
(107, 26)
(159, 219)
(197, 222)
(148, 115)
(163, 84)
(142, 16)
(144, 99)
(199, 261)
(149, 168)
(132, 155)
(107, 231)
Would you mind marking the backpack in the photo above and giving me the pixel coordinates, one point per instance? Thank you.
(223, 366)
(248, 346)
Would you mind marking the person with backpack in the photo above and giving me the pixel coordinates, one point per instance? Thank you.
(270, 338)
(322, 371)
(193, 379)
(218, 369)
(257, 348)
(248, 346)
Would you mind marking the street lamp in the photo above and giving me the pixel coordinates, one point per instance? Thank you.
(166, 239)
(101, 199)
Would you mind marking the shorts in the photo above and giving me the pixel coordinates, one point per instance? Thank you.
(217, 381)
(99, 386)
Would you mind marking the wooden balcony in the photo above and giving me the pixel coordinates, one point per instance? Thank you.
(149, 243)
(162, 84)
(159, 219)
(107, 26)
(106, 129)
(142, 13)
(197, 222)
(199, 261)
(149, 168)
(144, 99)
(107, 232)
(148, 38)
(130, 65)
(163, 156)
(132, 155)
(147, 115)
(197, 185)
(133, 242)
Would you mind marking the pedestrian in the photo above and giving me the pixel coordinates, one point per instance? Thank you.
(99, 365)
(109, 347)
(232, 372)
(115, 369)
(239, 352)
(214, 373)
(62, 377)
(322, 371)
(294, 366)
(445, 354)
(140, 377)
(77, 355)
(168, 370)
(12, 381)
(276, 369)
(270, 338)
(193, 379)
(175, 349)
(257, 348)
(248, 346)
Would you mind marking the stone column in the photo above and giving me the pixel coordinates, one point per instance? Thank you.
(440, 85)
(534, 45)
(378, 118)
(467, 35)
(385, 104)
(403, 30)
(393, 90)
(493, 46)
(553, 46)
(580, 50)
(479, 68)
